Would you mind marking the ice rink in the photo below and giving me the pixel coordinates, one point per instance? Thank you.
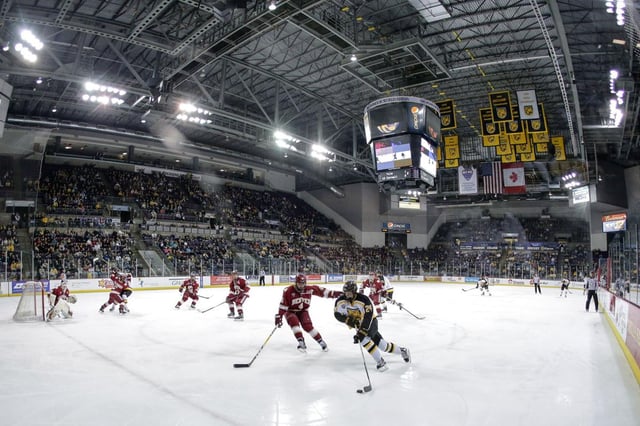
(514, 358)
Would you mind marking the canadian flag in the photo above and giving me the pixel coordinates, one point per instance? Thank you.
(513, 178)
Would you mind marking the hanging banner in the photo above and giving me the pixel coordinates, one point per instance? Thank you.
(447, 115)
(527, 104)
(500, 107)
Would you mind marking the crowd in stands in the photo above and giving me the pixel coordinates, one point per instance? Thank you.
(75, 226)
(10, 260)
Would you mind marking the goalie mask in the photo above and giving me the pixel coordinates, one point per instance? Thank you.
(350, 289)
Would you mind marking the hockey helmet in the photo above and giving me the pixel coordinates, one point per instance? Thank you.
(301, 281)
(350, 289)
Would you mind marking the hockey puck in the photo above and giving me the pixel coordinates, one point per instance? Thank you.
(359, 391)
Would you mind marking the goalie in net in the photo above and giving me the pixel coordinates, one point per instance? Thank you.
(59, 299)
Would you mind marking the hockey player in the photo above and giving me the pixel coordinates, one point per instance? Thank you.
(124, 282)
(189, 289)
(367, 282)
(238, 294)
(483, 285)
(375, 294)
(59, 300)
(118, 294)
(387, 292)
(294, 307)
(356, 311)
(564, 286)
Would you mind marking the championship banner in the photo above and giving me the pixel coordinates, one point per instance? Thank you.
(447, 115)
(508, 158)
(541, 148)
(515, 127)
(439, 154)
(451, 164)
(489, 128)
(540, 137)
(528, 156)
(500, 107)
(517, 139)
(527, 104)
(504, 148)
(525, 148)
(538, 125)
(558, 144)
(493, 140)
(451, 140)
(467, 180)
(452, 152)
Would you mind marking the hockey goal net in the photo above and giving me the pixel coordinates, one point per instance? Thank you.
(32, 302)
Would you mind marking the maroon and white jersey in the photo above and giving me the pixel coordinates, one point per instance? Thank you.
(60, 292)
(238, 286)
(365, 284)
(376, 287)
(190, 286)
(294, 300)
(120, 283)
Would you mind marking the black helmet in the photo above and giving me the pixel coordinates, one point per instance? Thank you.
(350, 287)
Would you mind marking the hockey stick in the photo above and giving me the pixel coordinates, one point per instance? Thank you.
(469, 289)
(366, 388)
(257, 353)
(204, 297)
(402, 307)
(215, 306)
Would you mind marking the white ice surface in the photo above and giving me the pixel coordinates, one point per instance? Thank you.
(514, 358)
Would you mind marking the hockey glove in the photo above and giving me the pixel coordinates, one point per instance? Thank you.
(278, 320)
(351, 322)
(356, 339)
(180, 289)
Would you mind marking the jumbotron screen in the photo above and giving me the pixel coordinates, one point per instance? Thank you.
(392, 153)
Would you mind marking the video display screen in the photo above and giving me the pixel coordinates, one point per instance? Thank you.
(387, 120)
(428, 157)
(614, 222)
(393, 153)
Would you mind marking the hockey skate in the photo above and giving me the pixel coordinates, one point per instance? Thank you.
(382, 365)
(302, 347)
(406, 355)
(192, 306)
(177, 306)
(323, 345)
(101, 310)
(231, 315)
(239, 317)
(112, 308)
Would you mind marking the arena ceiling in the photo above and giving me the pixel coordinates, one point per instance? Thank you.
(256, 70)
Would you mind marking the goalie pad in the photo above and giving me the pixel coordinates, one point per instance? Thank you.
(72, 298)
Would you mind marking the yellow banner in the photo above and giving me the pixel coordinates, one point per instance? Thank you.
(540, 137)
(541, 148)
(450, 164)
(504, 148)
(508, 158)
(528, 156)
(491, 140)
(451, 140)
(524, 148)
(451, 152)
(558, 144)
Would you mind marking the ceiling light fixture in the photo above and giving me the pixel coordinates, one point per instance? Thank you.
(272, 6)
(354, 58)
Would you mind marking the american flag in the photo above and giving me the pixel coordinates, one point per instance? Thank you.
(491, 174)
